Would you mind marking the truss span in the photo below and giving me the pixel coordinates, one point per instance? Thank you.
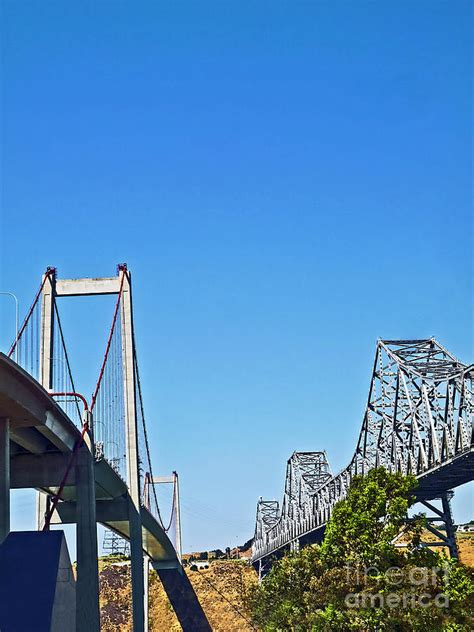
(419, 419)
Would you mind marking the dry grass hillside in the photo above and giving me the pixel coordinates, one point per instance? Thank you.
(229, 577)
(466, 548)
(465, 542)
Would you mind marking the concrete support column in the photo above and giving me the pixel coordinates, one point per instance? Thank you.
(45, 376)
(136, 567)
(178, 517)
(146, 571)
(41, 509)
(4, 478)
(87, 587)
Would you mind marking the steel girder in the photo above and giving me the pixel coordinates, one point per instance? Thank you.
(419, 418)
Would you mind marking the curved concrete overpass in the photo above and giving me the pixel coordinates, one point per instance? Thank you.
(41, 441)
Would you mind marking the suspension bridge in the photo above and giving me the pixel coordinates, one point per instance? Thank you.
(419, 420)
(88, 458)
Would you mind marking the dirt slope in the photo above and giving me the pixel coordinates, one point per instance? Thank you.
(466, 548)
(229, 578)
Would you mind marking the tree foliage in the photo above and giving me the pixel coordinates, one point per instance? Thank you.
(362, 526)
(357, 579)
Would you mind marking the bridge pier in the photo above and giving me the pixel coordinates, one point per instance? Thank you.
(87, 586)
(146, 572)
(264, 565)
(4, 478)
(41, 510)
(261, 571)
(449, 523)
(445, 516)
(45, 377)
(136, 567)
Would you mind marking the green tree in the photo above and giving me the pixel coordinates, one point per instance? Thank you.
(363, 525)
(330, 587)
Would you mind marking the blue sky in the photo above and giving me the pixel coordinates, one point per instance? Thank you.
(287, 181)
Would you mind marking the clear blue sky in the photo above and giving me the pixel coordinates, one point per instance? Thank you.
(287, 181)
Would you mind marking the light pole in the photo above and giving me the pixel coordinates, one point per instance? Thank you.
(16, 320)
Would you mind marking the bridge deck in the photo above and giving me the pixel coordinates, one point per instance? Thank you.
(445, 476)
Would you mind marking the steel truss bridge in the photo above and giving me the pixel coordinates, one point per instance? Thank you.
(419, 420)
(89, 458)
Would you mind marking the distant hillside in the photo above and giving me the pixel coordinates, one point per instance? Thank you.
(229, 577)
(239, 552)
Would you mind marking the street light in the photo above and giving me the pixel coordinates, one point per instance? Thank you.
(16, 320)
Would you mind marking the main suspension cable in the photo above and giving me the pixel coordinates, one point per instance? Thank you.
(48, 272)
(66, 356)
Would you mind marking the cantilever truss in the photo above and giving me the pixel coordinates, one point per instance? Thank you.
(418, 420)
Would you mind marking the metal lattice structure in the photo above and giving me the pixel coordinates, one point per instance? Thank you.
(418, 420)
(113, 544)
